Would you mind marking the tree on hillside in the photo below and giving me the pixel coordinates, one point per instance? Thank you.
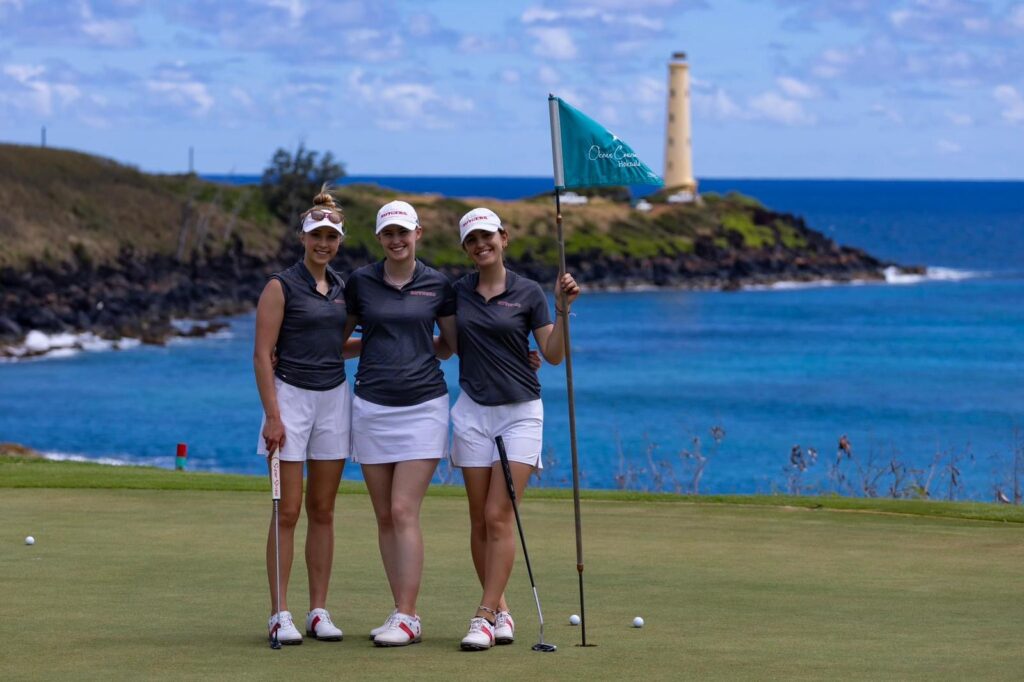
(291, 180)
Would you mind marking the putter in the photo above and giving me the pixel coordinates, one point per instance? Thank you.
(275, 493)
(541, 645)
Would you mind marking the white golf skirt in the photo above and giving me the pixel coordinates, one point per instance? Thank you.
(475, 426)
(317, 424)
(382, 434)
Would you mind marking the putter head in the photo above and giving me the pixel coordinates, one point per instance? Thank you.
(274, 643)
(545, 648)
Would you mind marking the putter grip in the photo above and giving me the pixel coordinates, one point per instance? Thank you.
(505, 468)
(275, 475)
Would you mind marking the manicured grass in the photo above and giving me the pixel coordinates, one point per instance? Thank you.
(169, 583)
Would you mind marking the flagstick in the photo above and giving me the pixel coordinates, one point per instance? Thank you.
(572, 421)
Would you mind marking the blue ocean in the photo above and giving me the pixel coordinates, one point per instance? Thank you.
(737, 392)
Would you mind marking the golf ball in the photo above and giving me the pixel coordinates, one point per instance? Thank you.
(638, 622)
(30, 540)
(574, 619)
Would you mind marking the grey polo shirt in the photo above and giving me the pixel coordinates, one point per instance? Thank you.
(312, 332)
(398, 365)
(494, 339)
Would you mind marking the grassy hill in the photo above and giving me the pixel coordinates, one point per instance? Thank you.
(59, 204)
(94, 245)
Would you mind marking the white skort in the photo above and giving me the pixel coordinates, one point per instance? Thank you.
(382, 434)
(475, 426)
(317, 424)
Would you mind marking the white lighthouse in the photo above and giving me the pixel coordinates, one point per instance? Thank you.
(678, 148)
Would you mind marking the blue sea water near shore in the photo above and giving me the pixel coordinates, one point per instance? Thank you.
(925, 373)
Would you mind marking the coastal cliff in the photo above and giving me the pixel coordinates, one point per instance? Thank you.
(90, 245)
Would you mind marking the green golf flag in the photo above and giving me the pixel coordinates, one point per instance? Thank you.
(587, 155)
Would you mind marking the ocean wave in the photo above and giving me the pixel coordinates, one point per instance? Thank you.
(42, 346)
(119, 460)
(786, 285)
(893, 275)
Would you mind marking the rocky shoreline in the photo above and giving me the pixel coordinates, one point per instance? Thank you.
(140, 298)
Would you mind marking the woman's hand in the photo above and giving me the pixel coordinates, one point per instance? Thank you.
(534, 360)
(566, 291)
(273, 434)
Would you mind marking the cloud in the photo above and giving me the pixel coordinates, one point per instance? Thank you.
(772, 106)
(35, 92)
(192, 96)
(1016, 17)
(296, 10)
(100, 23)
(405, 105)
(553, 43)
(1012, 102)
(886, 113)
(797, 89)
(959, 118)
(548, 76)
(713, 102)
(947, 147)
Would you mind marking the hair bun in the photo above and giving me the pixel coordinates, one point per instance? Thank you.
(325, 198)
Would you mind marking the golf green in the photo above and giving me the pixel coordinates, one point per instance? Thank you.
(137, 584)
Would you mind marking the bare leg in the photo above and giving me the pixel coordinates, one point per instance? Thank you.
(378, 479)
(501, 532)
(408, 488)
(288, 513)
(478, 484)
(321, 493)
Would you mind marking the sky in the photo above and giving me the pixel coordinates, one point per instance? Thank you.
(780, 88)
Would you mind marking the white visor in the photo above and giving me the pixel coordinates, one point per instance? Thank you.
(308, 224)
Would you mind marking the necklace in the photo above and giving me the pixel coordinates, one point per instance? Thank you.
(393, 282)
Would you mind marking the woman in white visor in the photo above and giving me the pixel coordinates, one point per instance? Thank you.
(300, 374)
(496, 311)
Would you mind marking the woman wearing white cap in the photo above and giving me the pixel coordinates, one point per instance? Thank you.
(496, 310)
(301, 319)
(400, 409)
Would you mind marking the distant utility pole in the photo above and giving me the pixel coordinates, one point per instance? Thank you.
(42, 141)
(191, 160)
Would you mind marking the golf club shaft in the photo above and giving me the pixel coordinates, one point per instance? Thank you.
(510, 484)
(275, 493)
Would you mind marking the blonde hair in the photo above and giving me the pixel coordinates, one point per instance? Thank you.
(324, 201)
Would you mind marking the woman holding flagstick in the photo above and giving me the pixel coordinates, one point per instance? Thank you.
(496, 310)
(300, 373)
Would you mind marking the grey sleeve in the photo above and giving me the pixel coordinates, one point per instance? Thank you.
(540, 315)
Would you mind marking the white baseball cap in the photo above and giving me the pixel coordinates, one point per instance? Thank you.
(479, 219)
(397, 213)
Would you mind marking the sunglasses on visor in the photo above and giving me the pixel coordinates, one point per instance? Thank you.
(320, 215)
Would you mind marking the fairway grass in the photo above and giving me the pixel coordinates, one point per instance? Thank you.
(147, 583)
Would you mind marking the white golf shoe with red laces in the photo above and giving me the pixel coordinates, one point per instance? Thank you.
(403, 629)
(504, 628)
(320, 626)
(282, 623)
(480, 636)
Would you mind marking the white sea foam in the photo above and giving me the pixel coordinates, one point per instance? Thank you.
(40, 345)
(113, 461)
(792, 284)
(893, 275)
